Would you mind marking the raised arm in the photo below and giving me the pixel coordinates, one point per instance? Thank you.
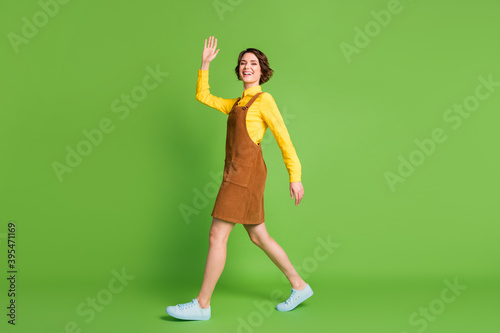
(202, 87)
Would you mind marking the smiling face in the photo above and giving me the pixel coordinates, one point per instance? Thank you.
(250, 69)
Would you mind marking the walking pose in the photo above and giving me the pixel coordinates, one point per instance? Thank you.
(241, 195)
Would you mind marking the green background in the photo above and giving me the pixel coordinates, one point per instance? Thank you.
(349, 118)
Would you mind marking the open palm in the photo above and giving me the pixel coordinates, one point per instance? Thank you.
(209, 52)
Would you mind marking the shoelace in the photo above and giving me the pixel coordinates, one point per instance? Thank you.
(186, 305)
(292, 297)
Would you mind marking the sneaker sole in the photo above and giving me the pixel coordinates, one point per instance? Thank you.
(186, 318)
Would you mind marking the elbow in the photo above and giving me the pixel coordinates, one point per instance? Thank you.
(201, 95)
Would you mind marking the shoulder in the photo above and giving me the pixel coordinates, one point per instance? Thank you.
(267, 99)
(266, 95)
(267, 106)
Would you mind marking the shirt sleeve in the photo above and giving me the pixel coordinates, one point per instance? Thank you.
(274, 121)
(203, 94)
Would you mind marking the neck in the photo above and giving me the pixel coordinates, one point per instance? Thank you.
(247, 85)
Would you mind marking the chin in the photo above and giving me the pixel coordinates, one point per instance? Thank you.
(245, 79)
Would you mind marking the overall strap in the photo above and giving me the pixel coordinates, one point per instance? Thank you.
(236, 103)
(250, 102)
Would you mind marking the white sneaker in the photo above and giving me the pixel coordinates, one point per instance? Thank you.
(189, 311)
(297, 297)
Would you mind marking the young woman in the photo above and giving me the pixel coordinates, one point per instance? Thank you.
(241, 196)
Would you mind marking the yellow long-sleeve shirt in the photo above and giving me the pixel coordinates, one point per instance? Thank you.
(263, 113)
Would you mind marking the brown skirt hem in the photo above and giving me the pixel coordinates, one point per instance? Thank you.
(230, 219)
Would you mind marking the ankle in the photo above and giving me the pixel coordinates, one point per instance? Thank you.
(299, 285)
(202, 303)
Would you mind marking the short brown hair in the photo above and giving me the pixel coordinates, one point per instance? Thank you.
(265, 70)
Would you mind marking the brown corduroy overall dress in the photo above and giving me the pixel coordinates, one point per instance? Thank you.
(241, 195)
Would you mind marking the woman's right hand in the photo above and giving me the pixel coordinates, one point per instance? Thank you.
(209, 52)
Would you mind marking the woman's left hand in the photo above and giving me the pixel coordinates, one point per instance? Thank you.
(297, 190)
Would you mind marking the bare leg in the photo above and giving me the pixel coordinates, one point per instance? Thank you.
(216, 259)
(259, 235)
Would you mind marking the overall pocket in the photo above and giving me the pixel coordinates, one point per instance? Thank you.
(238, 173)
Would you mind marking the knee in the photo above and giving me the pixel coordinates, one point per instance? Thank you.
(217, 238)
(258, 240)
